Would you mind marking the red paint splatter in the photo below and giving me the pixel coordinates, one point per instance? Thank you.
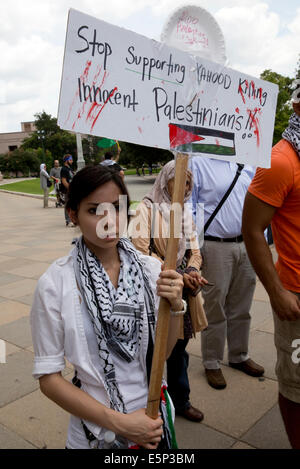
(83, 76)
(254, 92)
(217, 142)
(242, 94)
(86, 70)
(81, 111)
(237, 110)
(140, 129)
(103, 106)
(241, 91)
(91, 110)
(256, 132)
(255, 122)
(96, 78)
(260, 95)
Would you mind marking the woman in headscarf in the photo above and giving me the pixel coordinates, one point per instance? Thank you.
(148, 231)
(44, 178)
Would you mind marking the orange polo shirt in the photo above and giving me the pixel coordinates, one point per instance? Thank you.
(279, 186)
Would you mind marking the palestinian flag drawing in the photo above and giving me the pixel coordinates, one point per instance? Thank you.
(190, 139)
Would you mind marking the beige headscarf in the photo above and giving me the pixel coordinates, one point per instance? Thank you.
(159, 195)
(159, 192)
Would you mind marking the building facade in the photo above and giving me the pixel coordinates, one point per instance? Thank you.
(10, 141)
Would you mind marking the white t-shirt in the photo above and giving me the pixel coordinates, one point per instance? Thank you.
(61, 328)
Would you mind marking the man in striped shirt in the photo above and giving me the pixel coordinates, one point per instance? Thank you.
(226, 265)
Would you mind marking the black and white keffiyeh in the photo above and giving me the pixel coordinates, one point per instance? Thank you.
(292, 132)
(116, 314)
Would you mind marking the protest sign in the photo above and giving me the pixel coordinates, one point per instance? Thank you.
(121, 85)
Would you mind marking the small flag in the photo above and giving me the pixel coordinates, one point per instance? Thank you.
(190, 139)
(165, 402)
(106, 143)
(180, 136)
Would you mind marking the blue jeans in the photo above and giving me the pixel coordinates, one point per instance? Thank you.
(67, 218)
(177, 376)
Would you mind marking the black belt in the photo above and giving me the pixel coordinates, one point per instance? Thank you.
(236, 239)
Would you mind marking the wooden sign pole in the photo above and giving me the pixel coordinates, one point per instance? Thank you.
(162, 328)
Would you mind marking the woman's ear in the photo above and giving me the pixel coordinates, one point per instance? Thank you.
(73, 215)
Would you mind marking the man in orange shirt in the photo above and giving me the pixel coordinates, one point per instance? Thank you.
(274, 195)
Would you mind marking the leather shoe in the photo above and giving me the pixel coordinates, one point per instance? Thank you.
(215, 378)
(191, 413)
(249, 367)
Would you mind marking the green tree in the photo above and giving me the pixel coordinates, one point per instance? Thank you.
(135, 155)
(283, 109)
(20, 160)
(46, 123)
(92, 153)
(48, 136)
(45, 156)
(61, 143)
(131, 156)
(4, 164)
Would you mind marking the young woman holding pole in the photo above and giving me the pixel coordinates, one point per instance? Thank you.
(97, 308)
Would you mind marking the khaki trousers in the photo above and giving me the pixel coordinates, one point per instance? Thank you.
(287, 342)
(227, 303)
(46, 197)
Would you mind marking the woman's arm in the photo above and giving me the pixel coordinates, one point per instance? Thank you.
(195, 259)
(44, 173)
(192, 277)
(65, 183)
(140, 230)
(169, 286)
(257, 215)
(136, 426)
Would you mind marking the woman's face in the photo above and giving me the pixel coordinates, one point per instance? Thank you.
(99, 217)
(171, 186)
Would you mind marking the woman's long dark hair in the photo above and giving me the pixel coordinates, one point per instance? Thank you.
(90, 178)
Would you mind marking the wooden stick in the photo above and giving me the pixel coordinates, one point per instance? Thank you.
(162, 328)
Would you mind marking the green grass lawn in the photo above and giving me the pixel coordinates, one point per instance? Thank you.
(29, 187)
(33, 187)
(132, 172)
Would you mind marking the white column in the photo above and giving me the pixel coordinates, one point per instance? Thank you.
(80, 159)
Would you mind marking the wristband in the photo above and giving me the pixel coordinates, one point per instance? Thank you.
(190, 269)
(182, 312)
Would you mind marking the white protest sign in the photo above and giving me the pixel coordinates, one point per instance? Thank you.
(121, 85)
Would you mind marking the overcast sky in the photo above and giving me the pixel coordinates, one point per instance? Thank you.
(259, 34)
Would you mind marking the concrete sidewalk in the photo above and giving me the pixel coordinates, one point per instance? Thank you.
(244, 415)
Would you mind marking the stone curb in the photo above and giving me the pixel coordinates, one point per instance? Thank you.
(132, 212)
(24, 194)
